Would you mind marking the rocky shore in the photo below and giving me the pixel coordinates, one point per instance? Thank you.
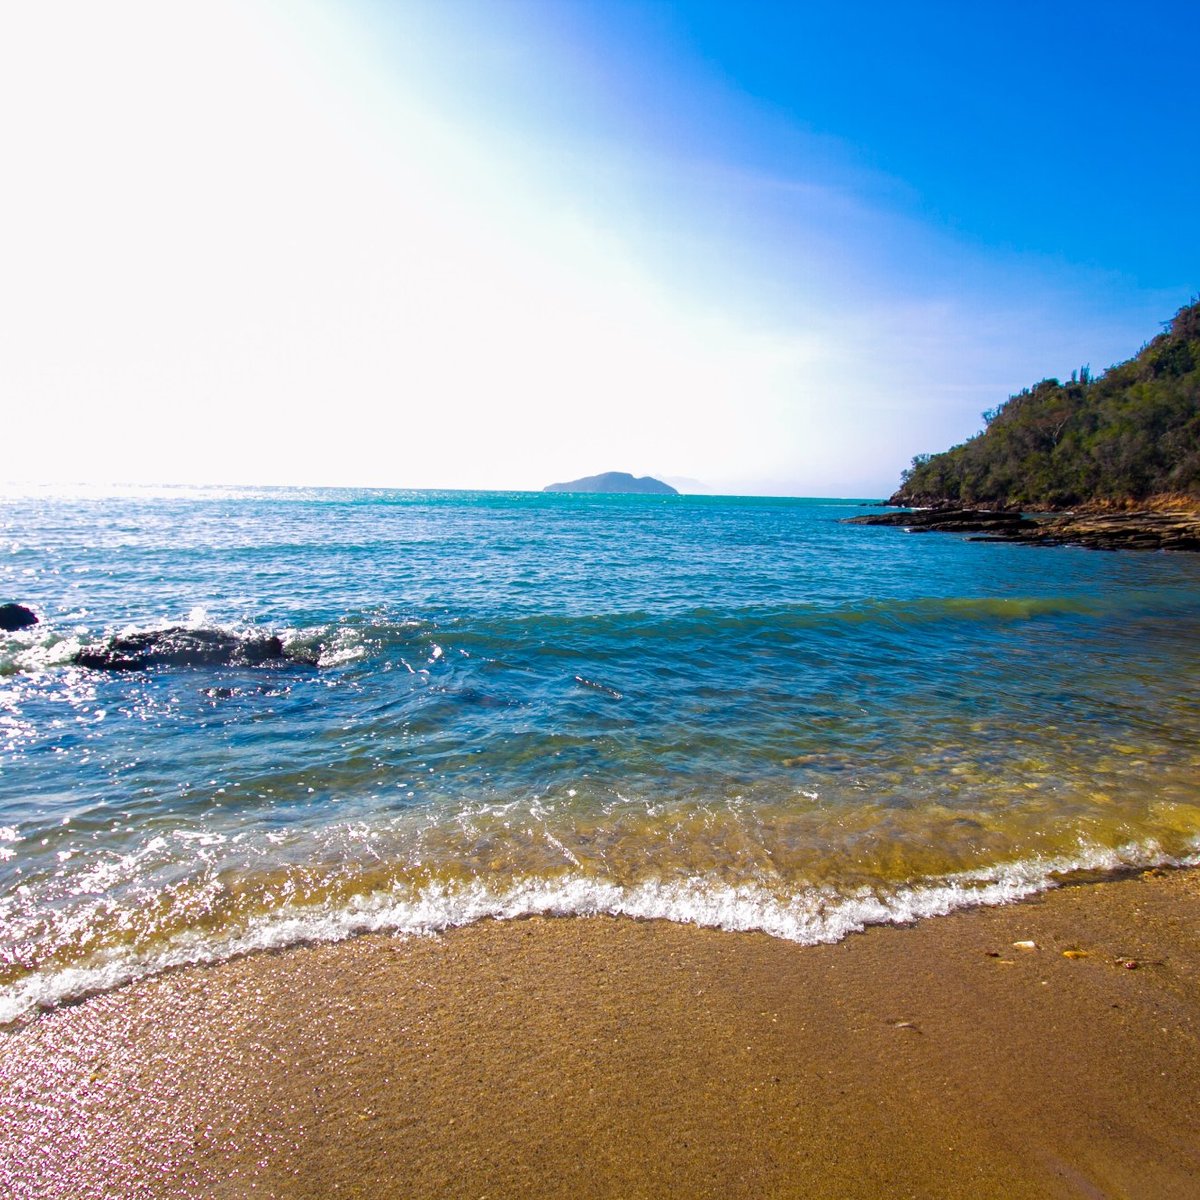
(1101, 530)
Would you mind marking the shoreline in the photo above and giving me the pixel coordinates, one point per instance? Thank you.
(1093, 527)
(601, 1056)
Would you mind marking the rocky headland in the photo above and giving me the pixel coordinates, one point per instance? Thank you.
(1111, 462)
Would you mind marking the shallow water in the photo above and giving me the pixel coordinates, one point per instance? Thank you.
(738, 712)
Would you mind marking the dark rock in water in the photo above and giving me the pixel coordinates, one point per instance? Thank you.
(16, 616)
(947, 520)
(615, 482)
(180, 647)
(302, 656)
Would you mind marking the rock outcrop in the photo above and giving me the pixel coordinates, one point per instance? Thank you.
(1111, 530)
(946, 520)
(16, 616)
(1115, 531)
(181, 647)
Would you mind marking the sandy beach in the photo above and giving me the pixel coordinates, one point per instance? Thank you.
(607, 1057)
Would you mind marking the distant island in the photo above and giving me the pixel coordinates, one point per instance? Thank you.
(615, 482)
(1127, 438)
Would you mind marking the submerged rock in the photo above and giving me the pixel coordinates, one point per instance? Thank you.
(16, 616)
(180, 647)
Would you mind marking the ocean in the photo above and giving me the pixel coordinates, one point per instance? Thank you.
(735, 712)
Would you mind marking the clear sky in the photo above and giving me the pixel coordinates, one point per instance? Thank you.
(771, 247)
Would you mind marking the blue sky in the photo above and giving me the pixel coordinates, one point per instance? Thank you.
(768, 247)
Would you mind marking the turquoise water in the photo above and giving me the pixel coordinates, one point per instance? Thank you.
(736, 712)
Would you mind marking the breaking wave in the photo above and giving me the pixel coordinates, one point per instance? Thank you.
(810, 916)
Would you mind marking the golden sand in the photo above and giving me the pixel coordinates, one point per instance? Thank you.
(608, 1057)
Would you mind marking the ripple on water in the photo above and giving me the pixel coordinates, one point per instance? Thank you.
(737, 713)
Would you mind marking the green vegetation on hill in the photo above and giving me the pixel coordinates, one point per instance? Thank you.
(1131, 433)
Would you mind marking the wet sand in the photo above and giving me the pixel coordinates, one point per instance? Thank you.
(608, 1057)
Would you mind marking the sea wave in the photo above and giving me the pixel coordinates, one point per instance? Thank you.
(808, 916)
(371, 634)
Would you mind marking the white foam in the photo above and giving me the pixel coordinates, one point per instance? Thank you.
(333, 646)
(36, 648)
(197, 618)
(810, 916)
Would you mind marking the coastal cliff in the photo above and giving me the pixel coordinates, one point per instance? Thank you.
(615, 482)
(1119, 440)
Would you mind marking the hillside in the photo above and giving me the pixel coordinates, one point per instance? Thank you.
(615, 481)
(1128, 435)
